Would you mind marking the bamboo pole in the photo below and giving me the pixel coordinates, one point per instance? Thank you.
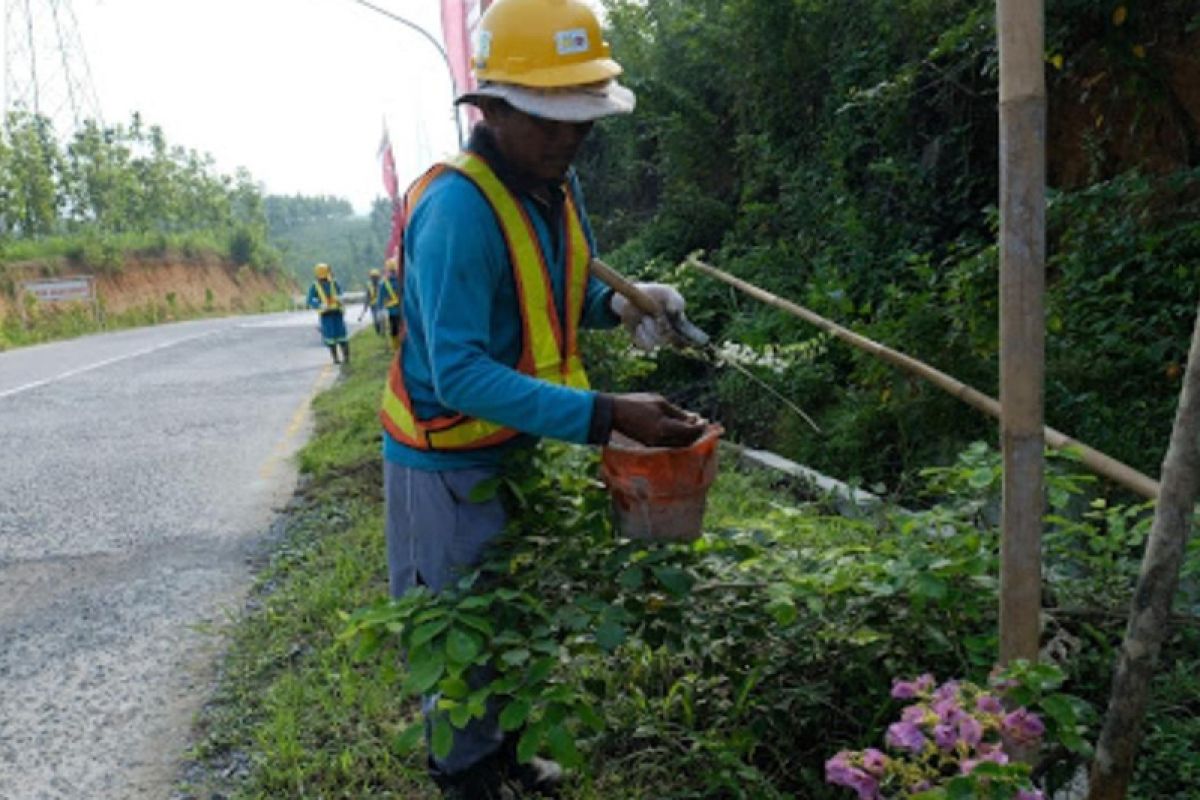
(1019, 28)
(1103, 465)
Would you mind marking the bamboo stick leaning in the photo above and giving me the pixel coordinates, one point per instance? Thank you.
(1098, 462)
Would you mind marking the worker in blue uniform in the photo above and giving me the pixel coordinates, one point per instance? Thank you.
(371, 301)
(325, 295)
(388, 303)
(493, 263)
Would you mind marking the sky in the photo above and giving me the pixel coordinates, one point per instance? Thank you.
(295, 91)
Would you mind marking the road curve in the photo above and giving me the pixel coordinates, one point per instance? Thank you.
(140, 472)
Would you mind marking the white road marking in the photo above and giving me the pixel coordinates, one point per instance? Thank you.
(80, 370)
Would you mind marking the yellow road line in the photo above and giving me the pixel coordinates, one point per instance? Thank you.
(285, 445)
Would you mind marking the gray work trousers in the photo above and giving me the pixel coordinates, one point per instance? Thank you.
(434, 532)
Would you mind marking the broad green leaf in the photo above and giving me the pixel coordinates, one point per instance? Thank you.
(515, 713)
(427, 631)
(454, 687)
(631, 579)
(589, 716)
(674, 580)
(460, 715)
(562, 746)
(484, 491)
(462, 646)
(514, 657)
(610, 635)
(530, 742)
(412, 736)
(477, 622)
(1059, 707)
(424, 675)
(443, 737)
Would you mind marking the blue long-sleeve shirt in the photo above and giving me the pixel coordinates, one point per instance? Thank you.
(331, 289)
(383, 295)
(463, 336)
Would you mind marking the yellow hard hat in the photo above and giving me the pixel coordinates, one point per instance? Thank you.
(321, 270)
(542, 44)
(374, 273)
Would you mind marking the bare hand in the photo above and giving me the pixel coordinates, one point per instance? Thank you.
(653, 421)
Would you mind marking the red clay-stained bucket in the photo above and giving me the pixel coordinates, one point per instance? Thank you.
(659, 493)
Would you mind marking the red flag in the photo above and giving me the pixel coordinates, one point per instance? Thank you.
(460, 19)
(390, 181)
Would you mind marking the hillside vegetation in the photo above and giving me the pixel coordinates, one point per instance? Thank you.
(844, 155)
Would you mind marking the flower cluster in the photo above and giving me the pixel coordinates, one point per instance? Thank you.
(946, 734)
(777, 358)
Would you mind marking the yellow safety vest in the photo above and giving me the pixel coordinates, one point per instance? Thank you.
(550, 350)
(329, 300)
(393, 299)
(372, 292)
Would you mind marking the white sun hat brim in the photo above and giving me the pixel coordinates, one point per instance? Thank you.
(567, 104)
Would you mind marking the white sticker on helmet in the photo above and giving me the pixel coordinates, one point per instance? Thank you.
(571, 41)
(483, 48)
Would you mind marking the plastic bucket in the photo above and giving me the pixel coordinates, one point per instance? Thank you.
(659, 493)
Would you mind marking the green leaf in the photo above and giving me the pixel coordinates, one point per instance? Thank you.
(1060, 708)
(460, 715)
(478, 623)
(674, 580)
(530, 742)
(412, 736)
(610, 635)
(515, 657)
(427, 631)
(631, 579)
(462, 646)
(979, 479)
(454, 687)
(484, 491)
(783, 611)
(443, 737)
(562, 746)
(515, 713)
(589, 716)
(539, 671)
(423, 675)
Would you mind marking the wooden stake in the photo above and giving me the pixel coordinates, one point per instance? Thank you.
(1098, 462)
(1150, 611)
(1019, 27)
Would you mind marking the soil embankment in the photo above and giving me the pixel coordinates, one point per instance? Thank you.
(165, 288)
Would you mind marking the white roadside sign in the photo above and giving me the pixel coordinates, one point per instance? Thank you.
(61, 290)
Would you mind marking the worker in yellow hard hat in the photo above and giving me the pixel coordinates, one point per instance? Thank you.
(390, 291)
(325, 295)
(371, 301)
(494, 270)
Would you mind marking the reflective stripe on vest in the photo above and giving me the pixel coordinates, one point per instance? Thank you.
(372, 293)
(549, 349)
(393, 299)
(330, 301)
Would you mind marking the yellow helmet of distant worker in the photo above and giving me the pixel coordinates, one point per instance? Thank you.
(542, 44)
(321, 271)
(374, 273)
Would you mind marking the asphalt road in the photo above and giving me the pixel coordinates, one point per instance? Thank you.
(140, 472)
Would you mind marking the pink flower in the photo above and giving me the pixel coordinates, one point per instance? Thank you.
(945, 737)
(914, 714)
(969, 730)
(907, 690)
(988, 704)
(1023, 726)
(874, 761)
(840, 772)
(947, 691)
(905, 736)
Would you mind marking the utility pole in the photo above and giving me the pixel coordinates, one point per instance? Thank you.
(429, 37)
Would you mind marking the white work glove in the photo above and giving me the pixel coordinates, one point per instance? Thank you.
(646, 331)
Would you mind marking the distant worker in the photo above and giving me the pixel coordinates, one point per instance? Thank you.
(389, 300)
(371, 301)
(496, 285)
(325, 295)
